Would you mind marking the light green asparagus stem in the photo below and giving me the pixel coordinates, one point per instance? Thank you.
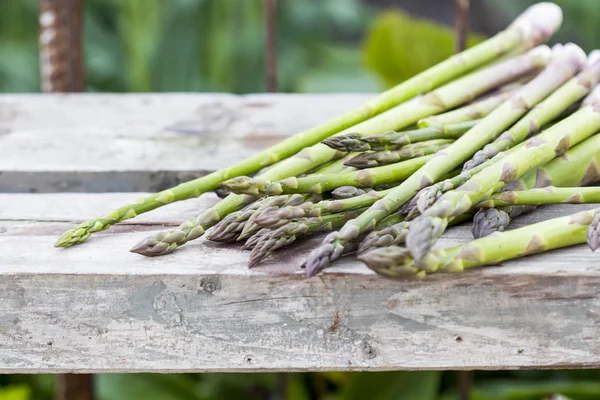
(579, 166)
(528, 30)
(545, 112)
(538, 150)
(545, 195)
(396, 262)
(360, 142)
(335, 166)
(336, 243)
(323, 183)
(473, 111)
(380, 158)
(325, 207)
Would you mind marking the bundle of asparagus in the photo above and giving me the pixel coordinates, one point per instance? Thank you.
(492, 132)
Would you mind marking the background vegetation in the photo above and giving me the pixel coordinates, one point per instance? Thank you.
(323, 46)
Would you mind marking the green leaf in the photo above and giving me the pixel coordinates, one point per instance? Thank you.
(399, 46)
(15, 392)
(403, 385)
(147, 387)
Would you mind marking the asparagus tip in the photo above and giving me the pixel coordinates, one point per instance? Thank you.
(489, 220)
(424, 232)
(154, 246)
(593, 232)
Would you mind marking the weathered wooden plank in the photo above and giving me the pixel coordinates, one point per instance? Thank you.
(98, 308)
(82, 142)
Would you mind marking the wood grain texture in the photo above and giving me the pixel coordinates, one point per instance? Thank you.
(78, 139)
(98, 308)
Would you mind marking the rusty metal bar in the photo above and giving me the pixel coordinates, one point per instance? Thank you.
(74, 387)
(61, 47)
(462, 24)
(271, 45)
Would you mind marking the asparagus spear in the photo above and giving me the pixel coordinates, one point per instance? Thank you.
(532, 27)
(336, 243)
(592, 98)
(395, 140)
(288, 233)
(324, 183)
(396, 262)
(396, 234)
(546, 111)
(579, 166)
(473, 111)
(544, 195)
(250, 227)
(229, 228)
(593, 232)
(496, 219)
(325, 207)
(379, 158)
(536, 151)
(346, 192)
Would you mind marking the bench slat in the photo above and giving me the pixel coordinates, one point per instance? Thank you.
(98, 308)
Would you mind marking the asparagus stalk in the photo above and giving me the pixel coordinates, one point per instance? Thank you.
(335, 166)
(395, 140)
(532, 27)
(325, 207)
(229, 228)
(536, 151)
(336, 243)
(593, 232)
(396, 234)
(579, 166)
(396, 262)
(546, 111)
(473, 111)
(251, 227)
(288, 233)
(545, 195)
(346, 192)
(379, 158)
(496, 219)
(323, 183)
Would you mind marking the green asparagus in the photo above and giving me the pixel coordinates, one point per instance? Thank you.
(379, 158)
(538, 150)
(473, 111)
(395, 140)
(397, 262)
(546, 111)
(337, 243)
(323, 183)
(544, 195)
(579, 166)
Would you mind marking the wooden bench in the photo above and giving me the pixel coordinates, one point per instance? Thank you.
(97, 308)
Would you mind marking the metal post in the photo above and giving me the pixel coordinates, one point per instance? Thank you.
(61, 52)
(74, 387)
(271, 45)
(462, 24)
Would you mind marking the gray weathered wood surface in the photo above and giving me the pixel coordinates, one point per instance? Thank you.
(98, 308)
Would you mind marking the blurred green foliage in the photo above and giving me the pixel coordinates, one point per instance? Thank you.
(387, 52)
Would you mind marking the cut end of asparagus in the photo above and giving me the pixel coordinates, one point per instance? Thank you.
(424, 232)
(593, 232)
(489, 220)
(538, 22)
